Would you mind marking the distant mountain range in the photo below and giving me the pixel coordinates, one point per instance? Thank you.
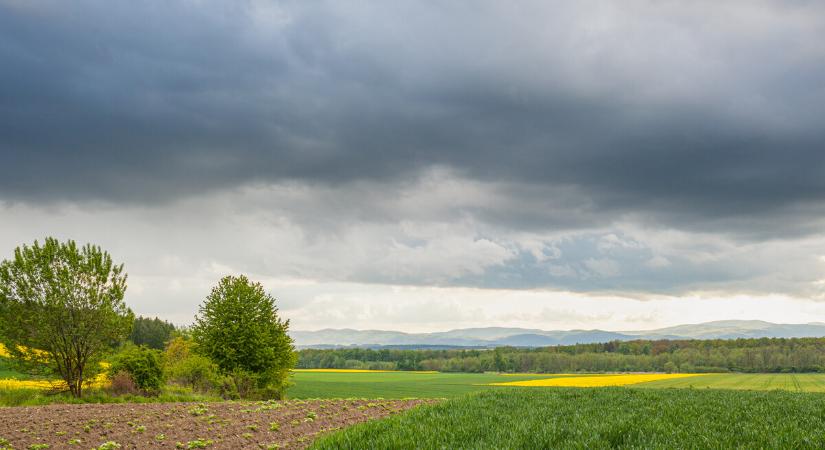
(524, 337)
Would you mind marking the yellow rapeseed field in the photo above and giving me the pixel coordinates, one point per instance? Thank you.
(359, 371)
(100, 380)
(598, 381)
(522, 374)
(31, 384)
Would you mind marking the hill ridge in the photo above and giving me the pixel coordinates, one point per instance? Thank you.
(532, 337)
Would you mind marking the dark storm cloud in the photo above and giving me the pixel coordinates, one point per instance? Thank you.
(701, 116)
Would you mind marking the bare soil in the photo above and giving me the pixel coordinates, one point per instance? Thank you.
(272, 424)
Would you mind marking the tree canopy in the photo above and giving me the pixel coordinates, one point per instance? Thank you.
(62, 309)
(238, 328)
(713, 355)
(153, 333)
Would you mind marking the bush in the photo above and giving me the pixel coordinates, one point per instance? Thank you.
(239, 384)
(243, 384)
(184, 367)
(197, 372)
(143, 365)
(122, 384)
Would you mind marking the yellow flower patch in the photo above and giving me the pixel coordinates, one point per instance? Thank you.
(360, 371)
(99, 381)
(30, 353)
(31, 384)
(523, 374)
(598, 381)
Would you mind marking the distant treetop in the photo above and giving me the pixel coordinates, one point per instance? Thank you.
(153, 333)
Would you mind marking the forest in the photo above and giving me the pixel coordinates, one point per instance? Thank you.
(766, 355)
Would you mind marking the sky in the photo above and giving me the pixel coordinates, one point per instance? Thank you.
(428, 165)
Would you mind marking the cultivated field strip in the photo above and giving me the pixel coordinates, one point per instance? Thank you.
(222, 425)
(796, 382)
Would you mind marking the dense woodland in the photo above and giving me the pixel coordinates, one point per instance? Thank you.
(739, 355)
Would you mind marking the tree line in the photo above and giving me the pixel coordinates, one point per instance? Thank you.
(768, 355)
(63, 315)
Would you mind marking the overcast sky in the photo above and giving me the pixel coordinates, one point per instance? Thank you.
(428, 165)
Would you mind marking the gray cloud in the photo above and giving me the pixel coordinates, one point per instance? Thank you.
(687, 117)
(665, 147)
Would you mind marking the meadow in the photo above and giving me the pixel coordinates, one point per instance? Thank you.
(598, 418)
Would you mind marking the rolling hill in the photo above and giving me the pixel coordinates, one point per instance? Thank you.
(524, 337)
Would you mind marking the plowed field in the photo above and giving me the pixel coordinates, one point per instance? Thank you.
(282, 424)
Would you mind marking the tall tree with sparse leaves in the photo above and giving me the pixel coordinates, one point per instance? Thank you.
(62, 309)
(238, 328)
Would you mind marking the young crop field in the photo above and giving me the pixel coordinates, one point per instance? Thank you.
(336, 384)
(229, 425)
(800, 382)
(599, 418)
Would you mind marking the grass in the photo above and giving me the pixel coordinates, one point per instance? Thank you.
(447, 385)
(800, 382)
(396, 384)
(6, 372)
(598, 418)
(34, 397)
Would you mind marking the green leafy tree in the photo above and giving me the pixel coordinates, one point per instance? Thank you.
(238, 328)
(153, 333)
(62, 309)
(143, 365)
(501, 366)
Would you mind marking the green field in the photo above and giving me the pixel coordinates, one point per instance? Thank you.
(410, 384)
(599, 418)
(799, 382)
(394, 384)
(7, 372)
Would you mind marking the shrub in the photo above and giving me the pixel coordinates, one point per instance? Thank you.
(122, 384)
(197, 372)
(143, 365)
(184, 367)
(241, 383)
